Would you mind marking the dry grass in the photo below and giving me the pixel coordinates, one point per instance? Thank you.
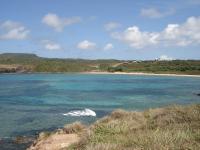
(76, 127)
(174, 127)
(44, 135)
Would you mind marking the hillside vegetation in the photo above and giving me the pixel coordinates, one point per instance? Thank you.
(173, 127)
(33, 63)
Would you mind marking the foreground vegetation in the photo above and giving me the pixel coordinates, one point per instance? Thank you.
(11, 62)
(174, 127)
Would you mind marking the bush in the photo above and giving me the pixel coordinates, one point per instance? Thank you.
(115, 69)
(174, 127)
(75, 127)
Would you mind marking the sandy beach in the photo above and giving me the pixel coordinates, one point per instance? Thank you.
(141, 73)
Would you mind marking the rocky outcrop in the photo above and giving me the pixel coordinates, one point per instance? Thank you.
(54, 141)
(13, 69)
(59, 139)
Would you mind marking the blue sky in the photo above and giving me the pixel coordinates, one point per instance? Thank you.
(119, 29)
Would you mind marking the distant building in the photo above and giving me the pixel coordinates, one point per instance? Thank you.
(164, 58)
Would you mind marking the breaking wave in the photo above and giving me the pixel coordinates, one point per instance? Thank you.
(85, 112)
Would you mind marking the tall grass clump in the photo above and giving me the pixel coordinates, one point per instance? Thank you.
(173, 127)
(76, 127)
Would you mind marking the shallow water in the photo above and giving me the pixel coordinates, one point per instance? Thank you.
(30, 103)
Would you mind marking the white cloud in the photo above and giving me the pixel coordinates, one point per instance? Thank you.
(58, 23)
(108, 46)
(86, 45)
(10, 25)
(184, 34)
(111, 26)
(49, 45)
(13, 31)
(165, 58)
(154, 13)
(135, 38)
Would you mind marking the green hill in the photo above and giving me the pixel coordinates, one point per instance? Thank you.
(33, 63)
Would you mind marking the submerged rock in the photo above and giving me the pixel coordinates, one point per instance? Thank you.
(23, 140)
(18, 143)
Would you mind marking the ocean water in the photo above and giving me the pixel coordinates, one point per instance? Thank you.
(30, 103)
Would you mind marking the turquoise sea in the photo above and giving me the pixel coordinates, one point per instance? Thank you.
(30, 103)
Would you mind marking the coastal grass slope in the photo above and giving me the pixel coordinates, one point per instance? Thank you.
(172, 127)
(19, 62)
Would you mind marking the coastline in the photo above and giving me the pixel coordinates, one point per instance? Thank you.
(142, 73)
(129, 130)
(110, 73)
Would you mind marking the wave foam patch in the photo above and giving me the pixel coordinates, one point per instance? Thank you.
(85, 112)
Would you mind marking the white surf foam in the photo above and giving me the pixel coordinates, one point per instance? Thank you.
(85, 112)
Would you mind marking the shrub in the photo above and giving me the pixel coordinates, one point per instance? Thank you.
(174, 127)
(75, 127)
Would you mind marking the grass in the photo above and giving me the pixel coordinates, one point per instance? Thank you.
(174, 127)
(76, 127)
(44, 135)
(33, 63)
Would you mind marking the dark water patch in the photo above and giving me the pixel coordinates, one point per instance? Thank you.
(197, 94)
(23, 82)
(33, 133)
(20, 101)
(10, 144)
(134, 91)
(25, 120)
(102, 113)
(28, 90)
(111, 92)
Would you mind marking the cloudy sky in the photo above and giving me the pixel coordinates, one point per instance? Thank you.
(119, 29)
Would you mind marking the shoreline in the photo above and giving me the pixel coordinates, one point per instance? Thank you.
(109, 73)
(142, 73)
(138, 125)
